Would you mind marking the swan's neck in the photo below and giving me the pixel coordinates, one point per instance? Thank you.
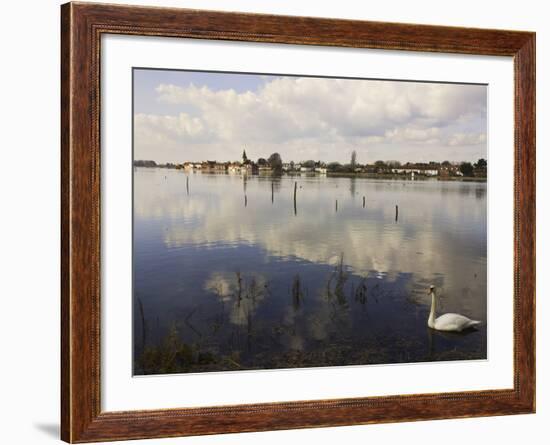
(431, 318)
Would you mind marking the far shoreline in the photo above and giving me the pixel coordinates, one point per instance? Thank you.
(376, 176)
(406, 177)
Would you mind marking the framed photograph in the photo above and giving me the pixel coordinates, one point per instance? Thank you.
(274, 222)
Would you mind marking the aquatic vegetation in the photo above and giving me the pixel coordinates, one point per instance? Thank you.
(297, 292)
(340, 278)
(361, 291)
(169, 356)
(234, 338)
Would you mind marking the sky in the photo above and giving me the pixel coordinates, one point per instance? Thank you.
(195, 116)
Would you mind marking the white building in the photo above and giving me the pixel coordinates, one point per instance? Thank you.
(417, 171)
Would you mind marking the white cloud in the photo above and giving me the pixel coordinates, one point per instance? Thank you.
(292, 113)
(182, 125)
(467, 139)
(429, 135)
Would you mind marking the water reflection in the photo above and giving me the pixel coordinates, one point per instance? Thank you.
(262, 272)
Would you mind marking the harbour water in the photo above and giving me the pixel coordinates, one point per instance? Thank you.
(230, 272)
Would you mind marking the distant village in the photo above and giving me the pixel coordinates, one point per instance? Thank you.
(274, 165)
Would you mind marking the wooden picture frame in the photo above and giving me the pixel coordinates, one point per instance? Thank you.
(82, 25)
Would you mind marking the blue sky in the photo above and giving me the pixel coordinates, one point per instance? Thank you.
(187, 115)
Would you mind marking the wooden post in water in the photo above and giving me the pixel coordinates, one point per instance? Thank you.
(363, 202)
(295, 188)
(336, 205)
(396, 212)
(239, 287)
(187, 184)
(272, 186)
(245, 200)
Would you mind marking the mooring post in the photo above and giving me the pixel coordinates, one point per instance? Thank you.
(295, 188)
(187, 184)
(272, 192)
(363, 202)
(336, 205)
(245, 200)
(396, 212)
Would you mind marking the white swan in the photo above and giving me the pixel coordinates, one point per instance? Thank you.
(448, 322)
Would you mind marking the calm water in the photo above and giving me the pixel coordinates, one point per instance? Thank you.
(231, 275)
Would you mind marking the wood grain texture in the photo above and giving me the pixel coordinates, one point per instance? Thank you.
(81, 28)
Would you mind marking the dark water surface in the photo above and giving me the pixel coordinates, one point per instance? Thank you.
(232, 275)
